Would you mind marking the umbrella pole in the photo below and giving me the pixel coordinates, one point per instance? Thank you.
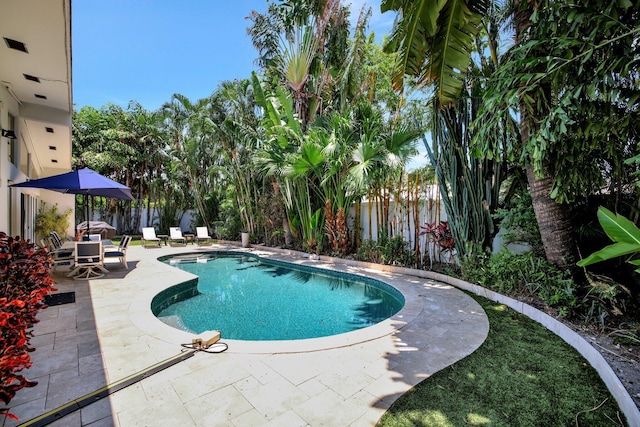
(86, 200)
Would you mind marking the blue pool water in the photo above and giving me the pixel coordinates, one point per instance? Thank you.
(248, 298)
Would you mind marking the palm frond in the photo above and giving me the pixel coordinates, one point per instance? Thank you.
(434, 40)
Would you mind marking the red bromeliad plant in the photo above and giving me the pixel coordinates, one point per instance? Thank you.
(441, 236)
(25, 279)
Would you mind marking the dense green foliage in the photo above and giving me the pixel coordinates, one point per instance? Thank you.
(519, 222)
(625, 235)
(390, 251)
(522, 275)
(435, 41)
(577, 63)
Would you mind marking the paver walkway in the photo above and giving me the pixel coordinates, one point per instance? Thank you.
(109, 333)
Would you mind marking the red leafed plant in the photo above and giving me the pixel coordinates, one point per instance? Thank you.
(25, 279)
(441, 236)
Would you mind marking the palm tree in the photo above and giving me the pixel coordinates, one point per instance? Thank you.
(283, 136)
(116, 143)
(236, 128)
(189, 130)
(294, 64)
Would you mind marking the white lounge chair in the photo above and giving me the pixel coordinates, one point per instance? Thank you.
(62, 256)
(149, 235)
(89, 261)
(120, 252)
(175, 236)
(202, 234)
(56, 241)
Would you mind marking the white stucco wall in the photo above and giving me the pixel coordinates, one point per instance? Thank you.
(8, 209)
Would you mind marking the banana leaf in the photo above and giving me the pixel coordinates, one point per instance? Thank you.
(622, 231)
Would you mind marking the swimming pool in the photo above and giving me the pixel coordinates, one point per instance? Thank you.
(250, 298)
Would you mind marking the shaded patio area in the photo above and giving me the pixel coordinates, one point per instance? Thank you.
(109, 333)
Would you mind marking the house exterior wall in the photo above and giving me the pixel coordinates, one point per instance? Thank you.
(17, 212)
(8, 208)
(36, 104)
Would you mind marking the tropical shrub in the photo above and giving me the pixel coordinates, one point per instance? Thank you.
(230, 226)
(520, 223)
(24, 281)
(395, 251)
(604, 296)
(48, 219)
(369, 251)
(601, 299)
(625, 235)
(522, 274)
(390, 251)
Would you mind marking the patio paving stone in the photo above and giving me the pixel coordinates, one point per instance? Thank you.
(229, 404)
(346, 380)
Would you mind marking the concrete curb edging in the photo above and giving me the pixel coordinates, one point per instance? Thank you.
(593, 356)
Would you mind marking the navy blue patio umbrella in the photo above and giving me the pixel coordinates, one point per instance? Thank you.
(83, 181)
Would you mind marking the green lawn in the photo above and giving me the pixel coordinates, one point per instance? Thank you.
(523, 375)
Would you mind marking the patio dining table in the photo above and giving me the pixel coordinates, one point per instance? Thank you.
(66, 262)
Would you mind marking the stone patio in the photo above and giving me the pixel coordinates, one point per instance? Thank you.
(109, 333)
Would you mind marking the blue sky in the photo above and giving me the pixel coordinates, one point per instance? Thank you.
(146, 50)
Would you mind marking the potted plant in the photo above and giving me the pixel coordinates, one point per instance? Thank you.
(48, 219)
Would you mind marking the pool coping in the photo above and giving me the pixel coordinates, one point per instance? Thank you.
(141, 316)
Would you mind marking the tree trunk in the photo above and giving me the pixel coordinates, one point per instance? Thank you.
(553, 219)
(554, 223)
(288, 235)
(370, 209)
(416, 219)
(357, 227)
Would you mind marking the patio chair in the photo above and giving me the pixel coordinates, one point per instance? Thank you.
(202, 234)
(58, 253)
(175, 236)
(89, 261)
(56, 241)
(95, 237)
(62, 257)
(120, 252)
(149, 235)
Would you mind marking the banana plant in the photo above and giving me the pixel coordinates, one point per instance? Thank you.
(294, 160)
(623, 232)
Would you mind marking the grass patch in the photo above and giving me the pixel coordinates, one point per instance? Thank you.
(135, 241)
(522, 375)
